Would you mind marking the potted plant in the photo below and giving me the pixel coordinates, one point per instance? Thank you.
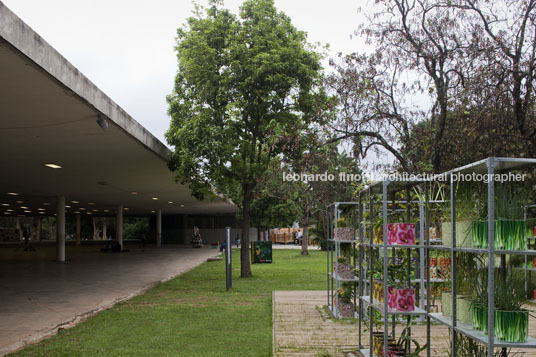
(446, 303)
(345, 306)
(466, 210)
(343, 269)
(509, 225)
(480, 303)
(511, 321)
(467, 268)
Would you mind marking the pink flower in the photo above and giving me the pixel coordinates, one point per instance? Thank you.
(402, 238)
(411, 302)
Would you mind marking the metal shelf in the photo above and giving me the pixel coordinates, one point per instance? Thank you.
(418, 311)
(437, 280)
(412, 246)
(335, 248)
(343, 241)
(335, 312)
(479, 335)
(337, 277)
(527, 269)
(481, 250)
(378, 195)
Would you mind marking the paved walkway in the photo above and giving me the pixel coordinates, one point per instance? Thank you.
(301, 329)
(37, 297)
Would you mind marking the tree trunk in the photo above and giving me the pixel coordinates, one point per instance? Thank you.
(245, 266)
(264, 236)
(258, 233)
(305, 234)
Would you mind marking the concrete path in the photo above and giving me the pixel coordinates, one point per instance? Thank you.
(37, 297)
(301, 329)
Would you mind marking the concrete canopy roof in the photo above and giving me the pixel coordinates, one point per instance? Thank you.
(48, 114)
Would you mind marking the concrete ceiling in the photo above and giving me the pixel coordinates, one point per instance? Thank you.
(48, 113)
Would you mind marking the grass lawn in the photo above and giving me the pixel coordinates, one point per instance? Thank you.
(193, 315)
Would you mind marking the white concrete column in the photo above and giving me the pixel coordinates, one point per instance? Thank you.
(104, 234)
(60, 229)
(159, 228)
(78, 234)
(19, 226)
(185, 238)
(119, 226)
(39, 229)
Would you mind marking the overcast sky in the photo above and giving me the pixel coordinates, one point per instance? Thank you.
(126, 47)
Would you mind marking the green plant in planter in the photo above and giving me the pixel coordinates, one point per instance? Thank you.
(341, 259)
(410, 343)
(511, 321)
(446, 306)
(468, 206)
(467, 264)
(345, 293)
(480, 298)
(509, 226)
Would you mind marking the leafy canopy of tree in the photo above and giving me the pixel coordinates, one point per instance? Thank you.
(245, 87)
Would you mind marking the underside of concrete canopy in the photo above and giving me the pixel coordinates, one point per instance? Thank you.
(49, 114)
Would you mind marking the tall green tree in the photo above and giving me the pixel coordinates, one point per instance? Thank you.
(245, 87)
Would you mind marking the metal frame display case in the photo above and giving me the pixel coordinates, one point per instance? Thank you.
(371, 251)
(489, 166)
(368, 252)
(335, 248)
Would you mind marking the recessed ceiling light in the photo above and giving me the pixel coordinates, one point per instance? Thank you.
(9, 210)
(23, 207)
(155, 198)
(20, 202)
(170, 201)
(53, 166)
(91, 203)
(106, 210)
(126, 208)
(133, 193)
(13, 193)
(95, 210)
(182, 205)
(82, 209)
(7, 213)
(27, 211)
(46, 204)
(40, 209)
(75, 202)
(67, 206)
(41, 212)
(77, 212)
(89, 213)
(153, 211)
(5, 204)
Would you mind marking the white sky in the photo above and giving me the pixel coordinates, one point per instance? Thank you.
(126, 46)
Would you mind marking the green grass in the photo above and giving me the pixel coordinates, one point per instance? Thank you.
(193, 315)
